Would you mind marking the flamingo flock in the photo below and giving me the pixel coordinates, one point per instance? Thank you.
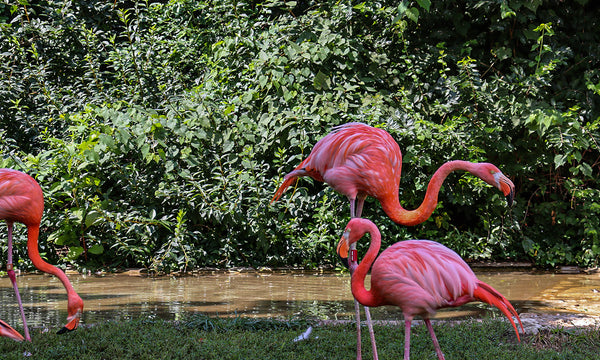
(356, 160)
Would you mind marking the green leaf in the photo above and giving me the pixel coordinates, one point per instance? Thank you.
(413, 14)
(402, 7)
(321, 81)
(74, 252)
(92, 218)
(586, 169)
(64, 238)
(96, 249)
(504, 53)
(107, 140)
(229, 109)
(506, 11)
(425, 4)
(77, 213)
(559, 160)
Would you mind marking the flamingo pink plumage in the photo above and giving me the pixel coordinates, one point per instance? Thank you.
(6, 330)
(358, 160)
(22, 200)
(419, 276)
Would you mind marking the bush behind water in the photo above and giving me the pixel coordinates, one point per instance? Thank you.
(160, 131)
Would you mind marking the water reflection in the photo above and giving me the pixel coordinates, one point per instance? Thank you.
(270, 294)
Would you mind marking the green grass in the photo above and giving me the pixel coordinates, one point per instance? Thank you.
(201, 337)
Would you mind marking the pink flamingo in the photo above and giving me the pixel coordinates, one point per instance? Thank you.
(358, 160)
(419, 276)
(22, 200)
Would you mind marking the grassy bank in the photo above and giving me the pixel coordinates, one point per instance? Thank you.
(200, 337)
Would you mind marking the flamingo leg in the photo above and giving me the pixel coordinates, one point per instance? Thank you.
(356, 206)
(360, 201)
(407, 338)
(358, 337)
(13, 280)
(371, 332)
(438, 351)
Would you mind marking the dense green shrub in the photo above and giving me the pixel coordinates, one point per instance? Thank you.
(160, 130)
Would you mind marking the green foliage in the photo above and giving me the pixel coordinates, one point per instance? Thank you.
(160, 131)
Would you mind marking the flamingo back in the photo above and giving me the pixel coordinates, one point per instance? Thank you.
(358, 159)
(21, 198)
(421, 276)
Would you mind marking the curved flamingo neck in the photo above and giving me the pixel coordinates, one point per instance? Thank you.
(401, 216)
(364, 296)
(33, 232)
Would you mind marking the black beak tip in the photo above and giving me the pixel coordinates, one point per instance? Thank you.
(510, 197)
(63, 330)
(344, 261)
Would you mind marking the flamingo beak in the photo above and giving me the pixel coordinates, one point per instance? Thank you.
(507, 187)
(75, 311)
(6, 330)
(342, 250)
(72, 324)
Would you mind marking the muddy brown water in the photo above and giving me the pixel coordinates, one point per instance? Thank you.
(282, 294)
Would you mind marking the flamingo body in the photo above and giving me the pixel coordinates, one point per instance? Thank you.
(22, 200)
(356, 160)
(419, 276)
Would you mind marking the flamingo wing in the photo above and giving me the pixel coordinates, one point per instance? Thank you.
(358, 159)
(353, 159)
(422, 276)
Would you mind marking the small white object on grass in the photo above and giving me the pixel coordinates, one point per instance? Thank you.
(305, 335)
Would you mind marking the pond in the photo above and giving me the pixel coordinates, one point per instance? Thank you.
(277, 294)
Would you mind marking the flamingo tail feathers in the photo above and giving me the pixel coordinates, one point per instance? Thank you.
(487, 294)
(287, 182)
(289, 179)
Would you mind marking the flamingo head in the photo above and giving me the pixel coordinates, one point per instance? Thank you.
(347, 244)
(75, 309)
(6, 330)
(493, 176)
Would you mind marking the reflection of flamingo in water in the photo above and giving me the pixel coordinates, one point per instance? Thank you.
(21, 200)
(358, 160)
(6, 330)
(419, 276)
